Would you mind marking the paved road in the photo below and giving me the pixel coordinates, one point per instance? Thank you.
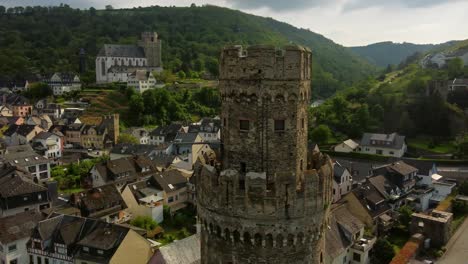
(457, 247)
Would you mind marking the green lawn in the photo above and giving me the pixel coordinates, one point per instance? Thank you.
(457, 221)
(424, 143)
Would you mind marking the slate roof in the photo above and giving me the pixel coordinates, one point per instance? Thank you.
(14, 182)
(371, 200)
(116, 50)
(399, 167)
(341, 221)
(45, 135)
(186, 138)
(169, 178)
(185, 251)
(106, 237)
(211, 125)
(22, 130)
(23, 155)
(338, 171)
(15, 99)
(133, 149)
(169, 131)
(18, 226)
(98, 200)
(140, 75)
(396, 141)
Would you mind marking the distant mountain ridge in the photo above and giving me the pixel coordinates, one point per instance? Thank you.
(388, 52)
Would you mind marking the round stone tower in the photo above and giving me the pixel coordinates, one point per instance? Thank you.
(267, 201)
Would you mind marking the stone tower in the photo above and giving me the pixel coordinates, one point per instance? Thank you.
(152, 47)
(267, 201)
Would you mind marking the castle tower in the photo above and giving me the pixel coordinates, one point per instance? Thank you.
(267, 201)
(152, 47)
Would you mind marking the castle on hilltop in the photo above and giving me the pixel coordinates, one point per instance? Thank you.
(266, 200)
(115, 63)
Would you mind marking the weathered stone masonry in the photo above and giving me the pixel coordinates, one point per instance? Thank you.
(267, 201)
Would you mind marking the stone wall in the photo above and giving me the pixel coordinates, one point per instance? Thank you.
(268, 198)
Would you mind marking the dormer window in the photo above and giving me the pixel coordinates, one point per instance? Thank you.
(86, 249)
(100, 252)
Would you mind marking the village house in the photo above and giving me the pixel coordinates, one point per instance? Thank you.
(18, 193)
(11, 120)
(439, 186)
(188, 147)
(173, 183)
(399, 173)
(345, 241)
(5, 111)
(48, 144)
(141, 81)
(209, 129)
(21, 134)
(166, 134)
(70, 239)
(391, 145)
(121, 171)
(140, 133)
(18, 104)
(23, 156)
(145, 198)
(16, 232)
(73, 135)
(103, 203)
(346, 146)
(369, 206)
(342, 181)
(94, 137)
(63, 82)
(186, 250)
(435, 225)
(43, 121)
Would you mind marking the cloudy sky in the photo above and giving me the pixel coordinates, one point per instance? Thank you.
(348, 22)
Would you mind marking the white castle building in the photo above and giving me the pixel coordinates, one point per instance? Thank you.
(114, 63)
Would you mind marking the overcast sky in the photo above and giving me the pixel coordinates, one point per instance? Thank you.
(347, 22)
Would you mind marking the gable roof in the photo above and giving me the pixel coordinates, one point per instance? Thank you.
(23, 155)
(185, 251)
(169, 131)
(394, 140)
(22, 130)
(171, 180)
(186, 138)
(351, 143)
(18, 226)
(14, 182)
(116, 50)
(97, 201)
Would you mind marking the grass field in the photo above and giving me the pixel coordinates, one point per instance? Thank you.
(424, 143)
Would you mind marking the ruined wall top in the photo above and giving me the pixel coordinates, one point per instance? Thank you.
(291, 62)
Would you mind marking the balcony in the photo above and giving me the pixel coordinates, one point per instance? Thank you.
(364, 244)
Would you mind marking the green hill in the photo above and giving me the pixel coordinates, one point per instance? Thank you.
(385, 53)
(46, 39)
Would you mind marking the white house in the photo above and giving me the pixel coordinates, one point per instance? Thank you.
(16, 232)
(209, 129)
(50, 143)
(342, 181)
(346, 146)
(345, 241)
(390, 145)
(24, 157)
(144, 198)
(440, 187)
(61, 83)
(140, 133)
(141, 81)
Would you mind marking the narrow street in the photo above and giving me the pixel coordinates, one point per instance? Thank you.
(457, 247)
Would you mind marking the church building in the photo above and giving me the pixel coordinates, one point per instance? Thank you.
(115, 63)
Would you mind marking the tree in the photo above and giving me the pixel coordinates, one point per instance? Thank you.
(181, 75)
(212, 66)
(127, 138)
(38, 91)
(463, 189)
(92, 11)
(455, 68)
(144, 222)
(405, 215)
(2, 10)
(109, 7)
(136, 104)
(320, 134)
(382, 252)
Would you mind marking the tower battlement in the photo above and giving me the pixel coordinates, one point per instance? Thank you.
(265, 62)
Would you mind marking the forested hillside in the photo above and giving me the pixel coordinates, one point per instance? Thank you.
(385, 53)
(46, 39)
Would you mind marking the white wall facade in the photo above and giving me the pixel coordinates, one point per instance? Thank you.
(397, 153)
(14, 251)
(104, 63)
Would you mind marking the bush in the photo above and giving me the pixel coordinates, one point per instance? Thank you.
(144, 222)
